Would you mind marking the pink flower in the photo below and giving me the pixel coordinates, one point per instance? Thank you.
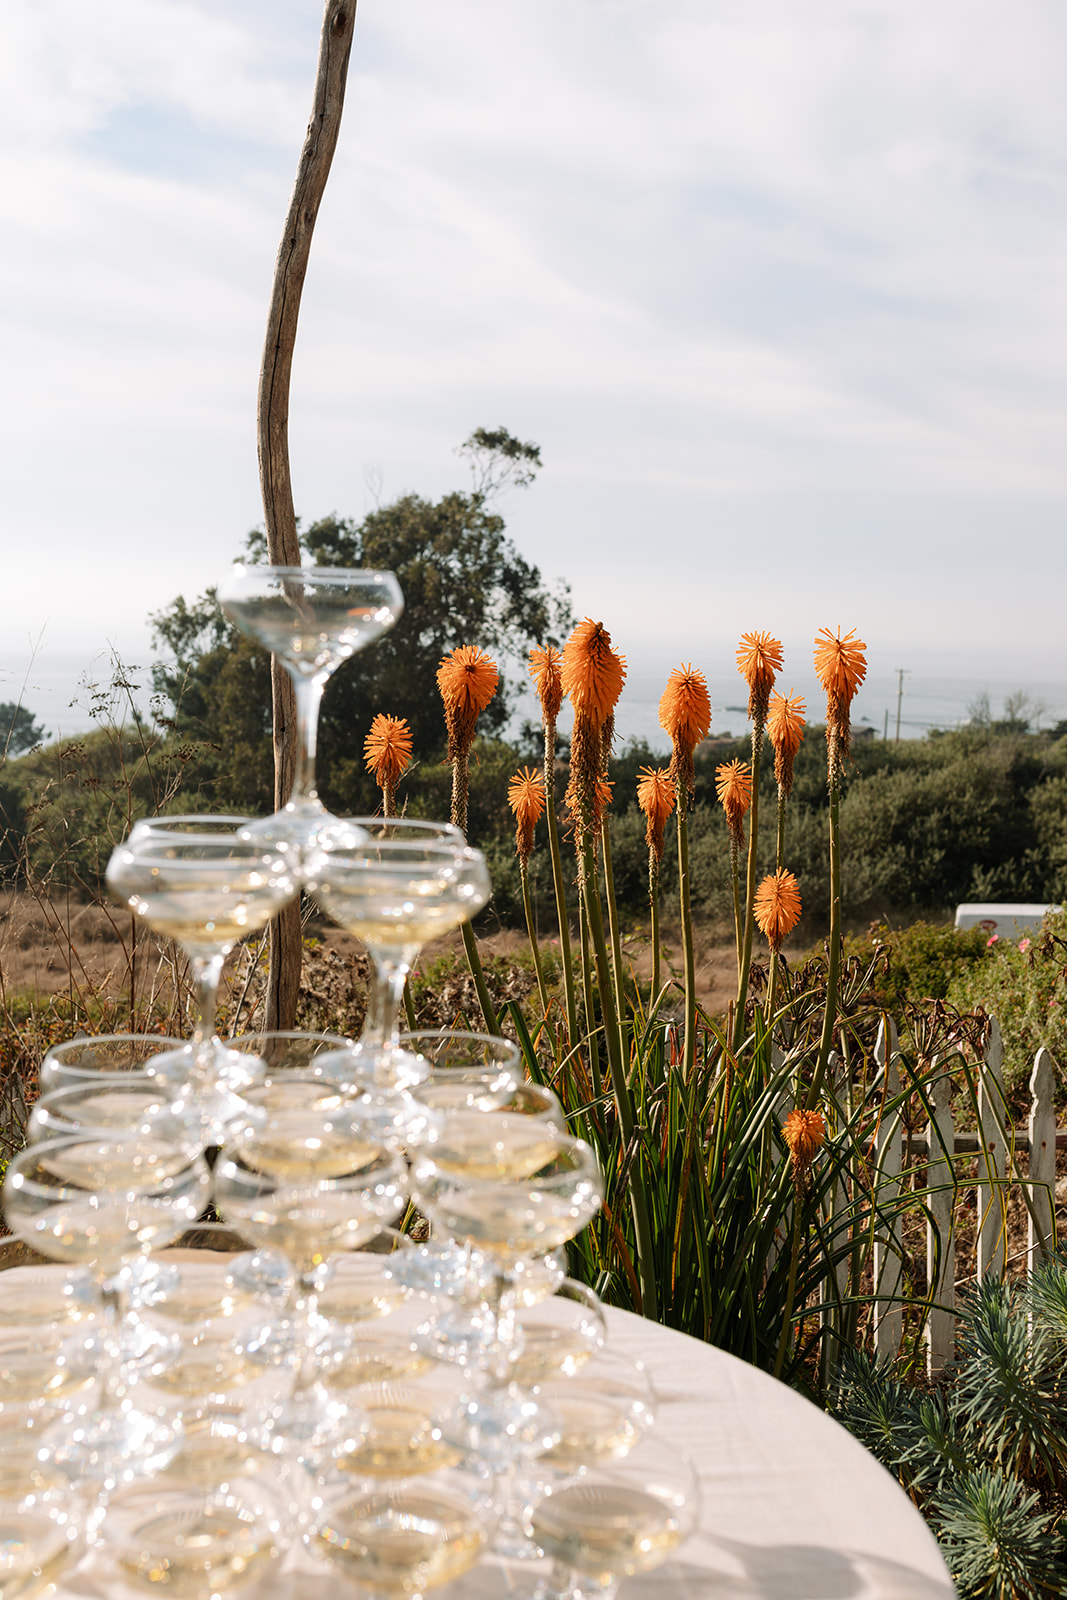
(992, 939)
(1024, 944)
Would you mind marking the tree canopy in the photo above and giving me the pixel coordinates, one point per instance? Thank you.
(19, 729)
(464, 583)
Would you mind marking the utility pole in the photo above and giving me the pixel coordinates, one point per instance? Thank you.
(902, 673)
(885, 727)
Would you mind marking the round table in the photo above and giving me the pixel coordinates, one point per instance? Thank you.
(793, 1508)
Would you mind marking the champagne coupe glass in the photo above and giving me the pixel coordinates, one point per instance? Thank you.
(464, 1332)
(399, 1538)
(612, 1519)
(308, 1184)
(134, 1104)
(395, 893)
(559, 1335)
(266, 1272)
(41, 1536)
(105, 1201)
(198, 880)
(105, 1058)
(465, 1071)
(312, 619)
(510, 1186)
(198, 1540)
(129, 1107)
(110, 1059)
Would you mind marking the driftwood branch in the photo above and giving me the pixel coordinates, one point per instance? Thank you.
(283, 548)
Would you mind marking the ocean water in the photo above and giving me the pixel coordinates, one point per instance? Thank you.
(60, 688)
(927, 701)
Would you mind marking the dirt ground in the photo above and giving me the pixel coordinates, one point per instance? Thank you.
(54, 948)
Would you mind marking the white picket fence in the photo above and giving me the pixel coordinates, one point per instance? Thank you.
(996, 1144)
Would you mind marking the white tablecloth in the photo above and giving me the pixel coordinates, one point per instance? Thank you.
(793, 1507)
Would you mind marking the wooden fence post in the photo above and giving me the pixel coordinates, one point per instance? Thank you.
(888, 1315)
(1041, 1228)
(991, 1195)
(940, 1228)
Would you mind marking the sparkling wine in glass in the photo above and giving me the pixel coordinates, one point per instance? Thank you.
(40, 1538)
(511, 1187)
(309, 1184)
(312, 619)
(400, 1539)
(194, 1541)
(204, 883)
(105, 1201)
(612, 1519)
(395, 892)
(101, 1059)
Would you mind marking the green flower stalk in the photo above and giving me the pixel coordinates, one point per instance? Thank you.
(526, 797)
(785, 729)
(685, 715)
(733, 785)
(840, 666)
(545, 671)
(759, 657)
(467, 681)
(657, 793)
(592, 674)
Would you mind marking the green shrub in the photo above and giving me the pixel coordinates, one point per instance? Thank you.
(985, 1455)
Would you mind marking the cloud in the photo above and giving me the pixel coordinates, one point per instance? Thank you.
(777, 289)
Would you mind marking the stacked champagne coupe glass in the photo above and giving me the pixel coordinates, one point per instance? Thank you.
(310, 1379)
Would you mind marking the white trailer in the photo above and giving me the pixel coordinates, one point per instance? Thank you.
(1006, 921)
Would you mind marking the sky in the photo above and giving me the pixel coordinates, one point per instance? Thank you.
(779, 291)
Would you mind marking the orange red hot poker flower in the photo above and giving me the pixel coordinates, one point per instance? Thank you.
(759, 658)
(545, 670)
(591, 672)
(804, 1133)
(776, 907)
(387, 749)
(467, 679)
(526, 797)
(840, 666)
(685, 714)
(785, 728)
(733, 785)
(656, 795)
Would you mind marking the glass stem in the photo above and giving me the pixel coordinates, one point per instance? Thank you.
(207, 971)
(305, 1313)
(308, 701)
(498, 1363)
(112, 1383)
(383, 1002)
